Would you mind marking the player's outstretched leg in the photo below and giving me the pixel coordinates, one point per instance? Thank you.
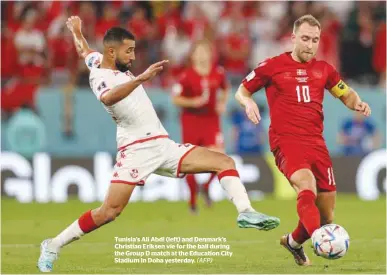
(304, 183)
(115, 201)
(202, 160)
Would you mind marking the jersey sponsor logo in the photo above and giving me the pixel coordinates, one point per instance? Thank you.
(301, 72)
(302, 79)
(250, 76)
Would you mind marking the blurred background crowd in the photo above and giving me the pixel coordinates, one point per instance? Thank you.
(37, 49)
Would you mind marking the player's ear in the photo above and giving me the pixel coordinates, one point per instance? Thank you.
(112, 52)
(293, 37)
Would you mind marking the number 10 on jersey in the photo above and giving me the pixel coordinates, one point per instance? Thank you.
(303, 93)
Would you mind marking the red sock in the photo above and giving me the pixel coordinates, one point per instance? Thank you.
(206, 186)
(308, 211)
(86, 222)
(300, 235)
(193, 187)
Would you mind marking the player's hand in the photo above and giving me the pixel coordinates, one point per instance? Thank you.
(74, 24)
(363, 107)
(153, 70)
(252, 111)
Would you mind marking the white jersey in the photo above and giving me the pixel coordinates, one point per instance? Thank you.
(135, 116)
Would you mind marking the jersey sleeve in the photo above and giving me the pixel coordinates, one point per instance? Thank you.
(258, 78)
(181, 87)
(93, 60)
(335, 85)
(100, 84)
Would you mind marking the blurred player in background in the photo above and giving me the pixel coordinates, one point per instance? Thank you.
(202, 93)
(144, 145)
(295, 83)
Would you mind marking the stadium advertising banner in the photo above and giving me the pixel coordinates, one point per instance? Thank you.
(46, 179)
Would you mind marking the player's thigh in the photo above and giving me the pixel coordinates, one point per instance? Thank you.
(184, 159)
(203, 160)
(326, 203)
(303, 179)
(181, 159)
(293, 163)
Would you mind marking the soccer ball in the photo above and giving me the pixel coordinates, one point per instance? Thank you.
(330, 241)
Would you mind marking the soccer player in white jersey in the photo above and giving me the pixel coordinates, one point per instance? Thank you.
(143, 144)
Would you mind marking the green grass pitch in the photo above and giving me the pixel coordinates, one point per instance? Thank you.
(24, 226)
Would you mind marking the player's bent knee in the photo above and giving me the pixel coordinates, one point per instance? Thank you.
(303, 180)
(226, 163)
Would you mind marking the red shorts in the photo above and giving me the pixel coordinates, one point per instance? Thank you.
(290, 157)
(201, 130)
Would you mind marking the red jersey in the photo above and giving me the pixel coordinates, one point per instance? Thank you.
(191, 84)
(295, 93)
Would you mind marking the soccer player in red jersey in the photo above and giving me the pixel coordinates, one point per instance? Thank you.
(202, 93)
(295, 84)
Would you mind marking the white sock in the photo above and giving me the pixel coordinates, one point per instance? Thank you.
(70, 234)
(236, 192)
(293, 243)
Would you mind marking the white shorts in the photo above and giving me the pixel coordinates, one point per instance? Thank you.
(161, 156)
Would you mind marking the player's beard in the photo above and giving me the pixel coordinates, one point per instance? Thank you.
(122, 67)
(305, 56)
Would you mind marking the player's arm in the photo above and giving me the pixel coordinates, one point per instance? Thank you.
(255, 81)
(350, 98)
(119, 92)
(74, 24)
(243, 96)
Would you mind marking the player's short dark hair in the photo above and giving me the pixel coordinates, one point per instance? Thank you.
(117, 34)
(308, 18)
